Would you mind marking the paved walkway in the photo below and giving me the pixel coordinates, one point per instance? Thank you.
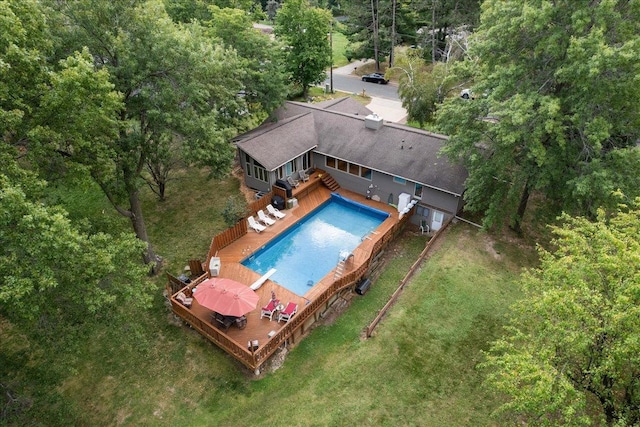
(388, 109)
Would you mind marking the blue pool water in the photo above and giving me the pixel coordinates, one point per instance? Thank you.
(311, 248)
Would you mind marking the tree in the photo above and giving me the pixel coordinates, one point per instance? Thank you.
(272, 9)
(304, 31)
(51, 268)
(375, 27)
(234, 210)
(575, 335)
(188, 10)
(175, 82)
(261, 59)
(422, 88)
(367, 29)
(555, 96)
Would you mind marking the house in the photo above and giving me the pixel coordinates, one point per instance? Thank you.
(364, 154)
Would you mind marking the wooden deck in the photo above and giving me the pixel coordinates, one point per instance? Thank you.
(310, 195)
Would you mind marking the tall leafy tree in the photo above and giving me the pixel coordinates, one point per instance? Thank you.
(422, 87)
(189, 10)
(176, 83)
(50, 268)
(571, 354)
(556, 106)
(261, 59)
(369, 28)
(304, 31)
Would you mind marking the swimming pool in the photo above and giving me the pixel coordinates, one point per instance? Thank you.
(311, 248)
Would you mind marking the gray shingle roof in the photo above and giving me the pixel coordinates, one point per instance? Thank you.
(275, 143)
(345, 105)
(395, 149)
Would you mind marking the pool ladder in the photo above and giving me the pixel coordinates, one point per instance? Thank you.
(339, 269)
(343, 257)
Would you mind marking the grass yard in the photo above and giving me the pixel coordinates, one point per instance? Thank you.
(419, 368)
(339, 45)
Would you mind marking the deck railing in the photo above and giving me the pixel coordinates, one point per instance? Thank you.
(254, 359)
(261, 203)
(232, 234)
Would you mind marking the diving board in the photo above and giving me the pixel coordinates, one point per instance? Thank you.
(256, 285)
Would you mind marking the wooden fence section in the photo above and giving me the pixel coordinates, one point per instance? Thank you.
(405, 279)
(277, 191)
(232, 234)
(175, 285)
(227, 237)
(260, 204)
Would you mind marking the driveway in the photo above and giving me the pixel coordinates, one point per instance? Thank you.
(385, 101)
(388, 109)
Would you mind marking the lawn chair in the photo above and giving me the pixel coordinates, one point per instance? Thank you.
(303, 176)
(184, 300)
(275, 212)
(265, 219)
(289, 311)
(424, 228)
(257, 227)
(270, 309)
(293, 182)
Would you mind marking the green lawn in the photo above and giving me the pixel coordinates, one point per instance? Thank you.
(419, 368)
(339, 45)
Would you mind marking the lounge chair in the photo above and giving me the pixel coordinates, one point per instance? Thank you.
(303, 176)
(424, 228)
(275, 212)
(269, 309)
(255, 225)
(289, 311)
(265, 219)
(184, 299)
(293, 182)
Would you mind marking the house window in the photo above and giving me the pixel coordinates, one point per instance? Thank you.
(247, 164)
(342, 165)
(291, 167)
(331, 162)
(399, 180)
(259, 172)
(422, 211)
(365, 173)
(354, 169)
(417, 191)
(306, 160)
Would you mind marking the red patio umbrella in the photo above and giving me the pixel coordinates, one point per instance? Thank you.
(226, 296)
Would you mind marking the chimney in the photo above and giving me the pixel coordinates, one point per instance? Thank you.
(372, 121)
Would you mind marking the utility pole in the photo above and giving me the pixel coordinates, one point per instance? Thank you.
(331, 53)
(393, 33)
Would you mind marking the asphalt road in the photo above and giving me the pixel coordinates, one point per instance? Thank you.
(353, 84)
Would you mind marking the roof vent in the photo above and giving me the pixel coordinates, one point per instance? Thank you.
(372, 121)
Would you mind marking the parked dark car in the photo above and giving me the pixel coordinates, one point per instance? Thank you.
(375, 78)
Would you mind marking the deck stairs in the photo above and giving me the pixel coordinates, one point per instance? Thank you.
(329, 182)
